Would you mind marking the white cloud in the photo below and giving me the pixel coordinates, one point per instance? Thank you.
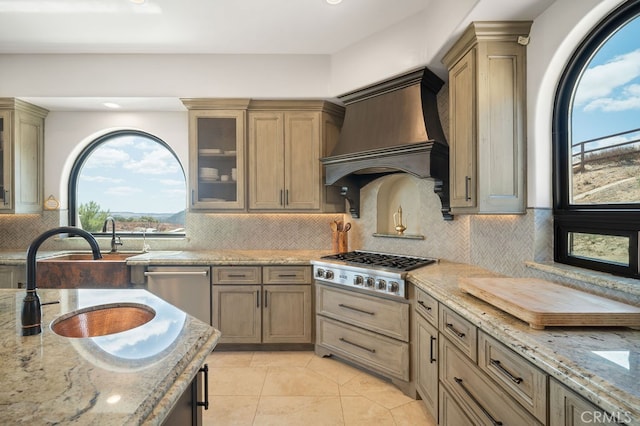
(156, 162)
(629, 99)
(106, 157)
(123, 191)
(602, 80)
(101, 179)
(171, 182)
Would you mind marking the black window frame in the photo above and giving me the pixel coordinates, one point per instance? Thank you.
(601, 219)
(84, 155)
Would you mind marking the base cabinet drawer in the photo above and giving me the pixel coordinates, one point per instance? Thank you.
(524, 382)
(384, 316)
(479, 397)
(380, 353)
(451, 414)
(566, 408)
(458, 330)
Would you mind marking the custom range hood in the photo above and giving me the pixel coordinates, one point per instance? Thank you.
(391, 127)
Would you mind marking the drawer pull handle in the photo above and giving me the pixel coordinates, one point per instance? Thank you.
(493, 421)
(205, 403)
(257, 298)
(467, 184)
(342, 305)
(431, 357)
(237, 275)
(498, 365)
(287, 275)
(428, 308)
(454, 331)
(342, 339)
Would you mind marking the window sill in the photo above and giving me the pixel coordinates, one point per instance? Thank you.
(601, 279)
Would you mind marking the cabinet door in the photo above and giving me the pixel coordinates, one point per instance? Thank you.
(463, 122)
(12, 276)
(236, 313)
(6, 167)
(28, 162)
(302, 161)
(266, 160)
(427, 364)
(287, 314)
(566, 408)
(216, 166)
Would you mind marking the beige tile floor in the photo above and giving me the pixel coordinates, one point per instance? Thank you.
(300, 388)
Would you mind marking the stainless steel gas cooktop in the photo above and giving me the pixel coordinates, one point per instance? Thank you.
(371, 271)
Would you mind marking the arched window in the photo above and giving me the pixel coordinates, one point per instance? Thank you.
(596, 136)
(133, 177)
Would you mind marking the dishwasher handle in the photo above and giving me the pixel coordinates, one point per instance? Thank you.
(175, 273)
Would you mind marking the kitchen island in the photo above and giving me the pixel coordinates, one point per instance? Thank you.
(132, 377)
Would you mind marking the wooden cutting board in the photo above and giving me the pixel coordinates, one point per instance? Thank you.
(542, 303)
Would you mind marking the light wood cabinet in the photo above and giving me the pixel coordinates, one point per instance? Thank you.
(286, 314)
(21, 156)
(566, 408)
(487, 100)
(237, 313)
(286, 142)
(246, 310)
(217, 143)
(524, 382)
(370, 331)
(12, 276)
(478, 396)
(427, 363)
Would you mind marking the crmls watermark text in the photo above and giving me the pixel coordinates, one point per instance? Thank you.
(598, 417)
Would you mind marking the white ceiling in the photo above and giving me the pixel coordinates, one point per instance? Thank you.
(194, 26)
(273, 27)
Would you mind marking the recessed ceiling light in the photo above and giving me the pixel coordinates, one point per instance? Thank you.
(111, 105)
(334, 1)
(137, 1)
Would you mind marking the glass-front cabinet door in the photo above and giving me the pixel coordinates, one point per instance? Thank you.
(217, 159)
(5, 160)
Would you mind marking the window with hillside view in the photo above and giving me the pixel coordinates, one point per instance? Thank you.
(133, 177)
(597, 149)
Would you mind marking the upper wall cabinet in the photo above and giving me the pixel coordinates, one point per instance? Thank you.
(217, 153)
(487, 98)
(21, 156)
(286, 141)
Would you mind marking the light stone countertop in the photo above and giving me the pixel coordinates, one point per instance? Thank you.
(194, 257)
(133, 377)
(601, 364)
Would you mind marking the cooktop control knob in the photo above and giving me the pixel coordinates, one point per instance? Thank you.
(370, 282)
(320, 273)
(382, 285)
(394, 287)
(328, 275)
(358, 280)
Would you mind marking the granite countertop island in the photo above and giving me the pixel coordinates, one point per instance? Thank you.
(132, 377)
(601, 364)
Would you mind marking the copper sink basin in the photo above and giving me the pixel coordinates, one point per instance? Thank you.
(106, 257)
(102, 320)
(79, 270)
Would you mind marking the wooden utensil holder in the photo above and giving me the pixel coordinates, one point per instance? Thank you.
(340, 242)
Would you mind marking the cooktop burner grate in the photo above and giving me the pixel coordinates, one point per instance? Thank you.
(381, 260)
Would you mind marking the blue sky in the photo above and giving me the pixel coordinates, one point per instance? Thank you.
(135, 174)
(608, 97)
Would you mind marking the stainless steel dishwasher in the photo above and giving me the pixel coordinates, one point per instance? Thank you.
(186, 287)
